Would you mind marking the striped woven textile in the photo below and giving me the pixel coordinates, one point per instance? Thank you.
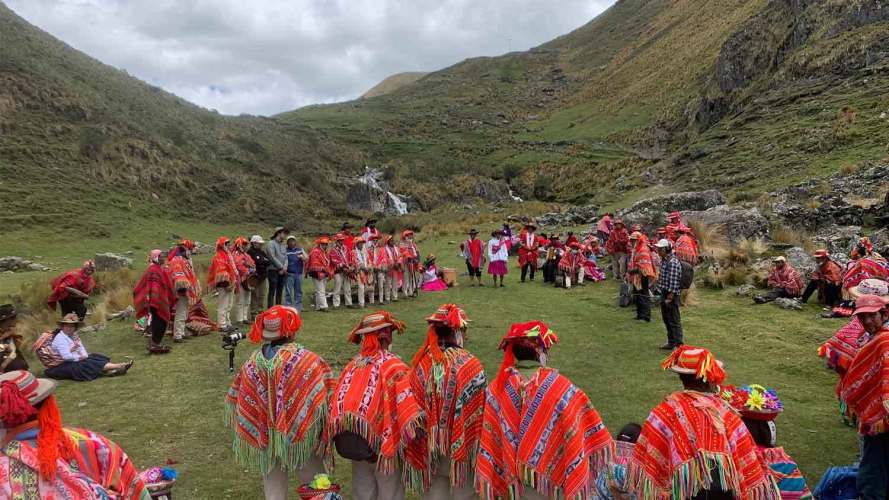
(452, 395)
(374, 399)
(686, 249)
(278, 409)
(184, 277)
(865, 387)
(840, 350)
(686, 437)
(866, 268)
(785, 473)
(541, 433)
(154, 290)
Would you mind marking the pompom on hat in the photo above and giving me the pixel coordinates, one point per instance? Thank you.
(275, 323)
(324, 240)
(753, 401)
(448, 315)
(697, 361)
(536, 332)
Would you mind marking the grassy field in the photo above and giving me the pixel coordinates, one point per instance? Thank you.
(170, 407)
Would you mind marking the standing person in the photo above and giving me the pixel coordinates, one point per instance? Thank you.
(528, 247)
(223, 276)
(498, 254)
(510, 238)
(641, 272)
(262, 262)
(445, 373)
(71, 289)
(247, 274)
(41, 459)
(375, 418)
(393, 257)
(541, 436)
(293, 285)
(686, 247)
(473, 251)
(348, 237)
(865, 388)
(319, 269)
(674, 226)
(186, 284)
(784, 282)
(383, 263)
(410, 263)
(371, 250)
(343, 271)
(604, 227)
(362, 270)
(276, 250)
(11, 357)
(555, 249)
(370, 230)
(618, 247)
(669, 286)
(693, 445)
(278, 404)
(154, 297)
(827, 279)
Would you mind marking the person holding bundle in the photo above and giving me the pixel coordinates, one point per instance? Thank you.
(319, 269)
(71, 289)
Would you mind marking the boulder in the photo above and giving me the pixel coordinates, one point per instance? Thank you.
(745, 290)
(37, 267)
(202, 248)
(112, 262)
(789, 304)
(652, 211)
(12, 263)
(736, 223)
(800, 260)
(837, 239)
(574, 216)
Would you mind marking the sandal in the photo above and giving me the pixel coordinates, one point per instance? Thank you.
(158, 349)
(129, 364)
(115, 372)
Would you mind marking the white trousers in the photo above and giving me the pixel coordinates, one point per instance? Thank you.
(393, 286)
(580, 275)
(384, 287)
(342, 285)
(368, 484)
(242, 310)
(224, 307)
(181, 317)
(409, 286)
(361, 291)
(320, 294)
(274, 484)
(371, 289)
(440, 488)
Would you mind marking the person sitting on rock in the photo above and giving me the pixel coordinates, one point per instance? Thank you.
(827, 279)
(784, 282)
(11, 357)
(71, 289)
(65, 358)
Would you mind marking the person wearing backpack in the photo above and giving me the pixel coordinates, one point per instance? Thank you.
(669, 287)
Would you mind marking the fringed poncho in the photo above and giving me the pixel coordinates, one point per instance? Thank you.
(452, 396)
(540, 433)
(684, 439)
(154, 291)
(865, 387)
(374, 399)
(278, 409)
(785, 472)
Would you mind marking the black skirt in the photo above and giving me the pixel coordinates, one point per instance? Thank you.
(84, 370)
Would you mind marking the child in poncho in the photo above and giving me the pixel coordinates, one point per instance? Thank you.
(278, 404)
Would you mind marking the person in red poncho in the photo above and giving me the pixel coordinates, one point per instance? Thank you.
(41, 459)
(375, 418)
(618, 247)
(572, 265)
(344, 271)
(686, 247)
(784, 282)
(694, 445)
(473, 251)
(675, 227)
(529, 244)
(541, 436)
(154, 297)
(319, 268)
(246, 269)
(410, 259)
(449, 382)
(278, 404)
(641, 274)
(388, 265)
(71, 289)
(223, 276)
(827, 279)
(190, 311)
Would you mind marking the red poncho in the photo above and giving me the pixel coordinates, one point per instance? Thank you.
(341, 259)
(223, 272)
(473, 250)
(618, 241)
(76, 279)
(642, 262)
(541, 433)
(571, 262)
(686, 249)
(866, 268)
(154, 290)
(278, 409)
(865, 387)
(373, 398)
(410, 255)
(244, 264)
(528, 245)
(687, 436)
(840, 350)
(452, 396)
(787, 278)
(830, 272)
(184, 278)
(318, 265)
(387, 258)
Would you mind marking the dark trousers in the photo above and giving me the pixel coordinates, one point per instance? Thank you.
(525, 269)
(73, 305)
(873, 472)
(549, 271)
(831, 292)
(276, 288)
(158, 327)
(672, 320)
(771, 295)
(643, 300)
(715, 492)
(603, 237)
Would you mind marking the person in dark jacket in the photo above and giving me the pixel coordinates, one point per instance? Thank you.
(257, 293)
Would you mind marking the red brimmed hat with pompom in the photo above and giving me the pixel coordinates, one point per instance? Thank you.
(697, 361)
(275, 323)
(448, 315)
(365, 333)
(536, 334)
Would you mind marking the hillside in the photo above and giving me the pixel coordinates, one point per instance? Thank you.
(393, 83)
(82, 140)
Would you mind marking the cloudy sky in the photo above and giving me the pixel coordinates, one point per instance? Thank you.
(269, 56)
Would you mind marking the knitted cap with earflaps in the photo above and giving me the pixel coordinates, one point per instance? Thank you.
(276, 322)
(448, 315)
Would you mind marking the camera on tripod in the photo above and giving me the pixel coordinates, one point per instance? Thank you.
(229, 342)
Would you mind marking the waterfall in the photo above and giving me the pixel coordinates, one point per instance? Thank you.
(512, 194)
(396, 203)
(377, 198)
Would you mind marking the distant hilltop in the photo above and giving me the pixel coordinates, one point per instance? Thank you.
(393, 83)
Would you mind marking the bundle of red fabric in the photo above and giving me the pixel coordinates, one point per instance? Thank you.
(79, 279)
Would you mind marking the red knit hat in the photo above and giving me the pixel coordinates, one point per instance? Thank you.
(275, 323)
(448, 315)
(698, 361)
(536, 331)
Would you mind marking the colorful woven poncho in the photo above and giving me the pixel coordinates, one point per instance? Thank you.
(185, 278)
(278, 408)
(374, 399)
(686, 249)
(840, 350)
(154, 290)
(785, 472)
(865, 387)
(687, 436)
(542, 433)
(642, 262)
(223, 269)
(869, 267)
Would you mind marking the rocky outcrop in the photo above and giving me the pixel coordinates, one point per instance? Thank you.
(369, 193)
(735, 223)
(18, 264)
(800, 260)
(112, 262)
(574, 216)
(837, 239)
(652, 211)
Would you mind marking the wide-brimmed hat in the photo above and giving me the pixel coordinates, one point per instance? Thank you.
(346, 225)
(290, 238)
(32, 388)
(535, 330)
(406, 233)
(664, 243)
(375, 322)
(635, 235)
(753, 401)
(370, 221)
(279, 230)
(70, 319)
(497, 232)
(870, 304)
(274, 323)
(697, 361)
(618, 221)
(430, 257)
(531, 225)
(358, 239)
(450, 315)
(339, 237)
(257, 239)
(7, 311)
(324, 240)
(870, 286)
(473, 231)
(779, 258)
(821, 253)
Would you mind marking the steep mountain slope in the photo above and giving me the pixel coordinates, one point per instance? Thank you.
(393, 83)
(79, 139)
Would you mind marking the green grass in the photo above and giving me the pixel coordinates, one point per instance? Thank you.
(170, 407)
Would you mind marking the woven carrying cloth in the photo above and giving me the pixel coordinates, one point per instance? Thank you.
(865, 387)
(278, 408)
(686, 437)
(374, 399)
(840, 350)
(540, 433)
(785, 472)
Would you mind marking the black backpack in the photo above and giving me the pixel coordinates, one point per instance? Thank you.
(687, 278)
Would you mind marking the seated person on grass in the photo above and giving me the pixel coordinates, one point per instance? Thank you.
(64, 356)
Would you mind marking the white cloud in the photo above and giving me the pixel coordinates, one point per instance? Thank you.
(269, 56)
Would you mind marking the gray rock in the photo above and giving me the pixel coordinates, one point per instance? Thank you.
(370, 193)
(37, 267)
(837, 239)
(789, 304)
(574, 216)
(652, 211)
(736, 223)
(129, 312)
(800, 260)
(12, 263)
(112, 262)
(201, 248)
(745, 290)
